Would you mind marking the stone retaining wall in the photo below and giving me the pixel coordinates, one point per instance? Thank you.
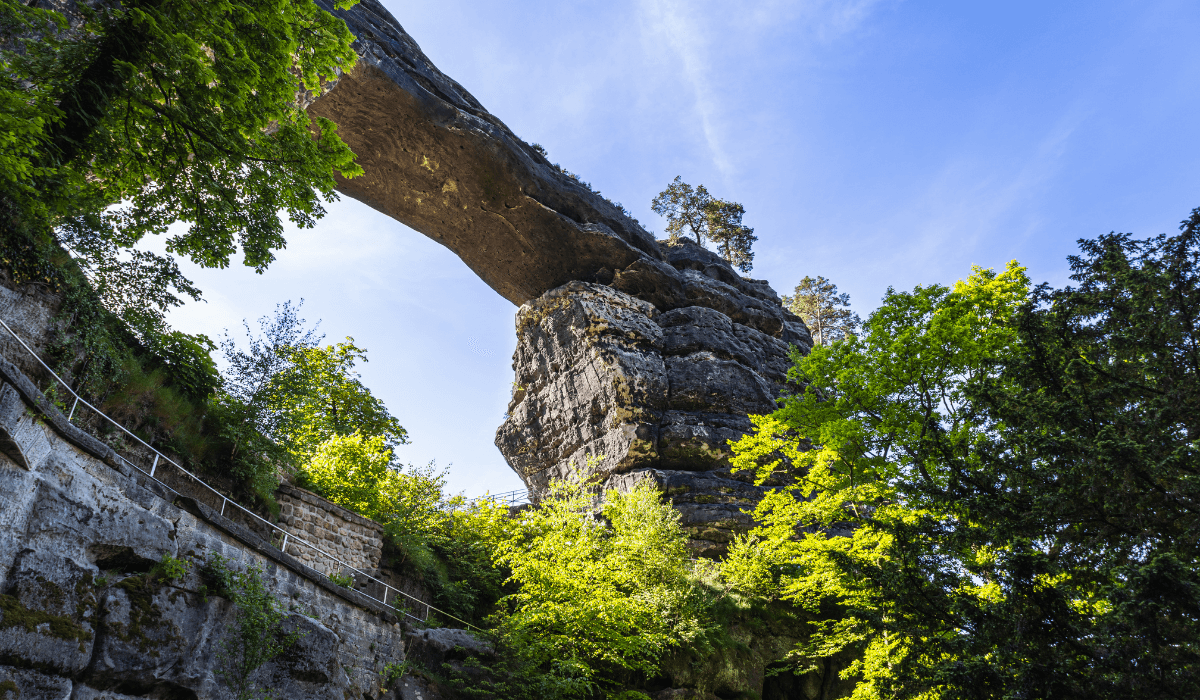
(350, 537)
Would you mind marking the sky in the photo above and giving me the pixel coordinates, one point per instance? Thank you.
(875, 142)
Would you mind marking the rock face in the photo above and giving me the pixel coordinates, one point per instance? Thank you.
(647, 355)
(436, 160)
(632, 389)
(80, 614)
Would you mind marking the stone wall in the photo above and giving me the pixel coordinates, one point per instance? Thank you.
(355, 540)
(81, 618)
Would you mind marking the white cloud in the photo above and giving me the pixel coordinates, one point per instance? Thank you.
(701, 34)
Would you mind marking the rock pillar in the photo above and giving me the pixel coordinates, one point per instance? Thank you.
(648, 377)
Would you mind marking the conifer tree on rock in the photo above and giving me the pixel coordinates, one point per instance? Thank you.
(825, 312)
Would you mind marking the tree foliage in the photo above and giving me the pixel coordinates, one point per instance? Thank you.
(183, 112)
(994, 486)
(256, 634)
(826, 313)
(599, 597)
(694, 211)
(121, 119)
(320, 395)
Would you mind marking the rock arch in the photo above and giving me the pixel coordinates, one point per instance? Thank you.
(649, 354)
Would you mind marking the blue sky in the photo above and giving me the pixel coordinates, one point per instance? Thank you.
(878, 143)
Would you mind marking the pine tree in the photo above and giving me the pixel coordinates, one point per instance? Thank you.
(732, 238)
(825, 312)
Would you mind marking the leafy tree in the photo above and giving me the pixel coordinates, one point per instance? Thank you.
(881, 413)
(185, 111)
(121, 119)
(359, 472)
(599, 598)
(249, 412)
(824, 311)
(685, 208)
(319, 396)
(997, 487)
(694, 211)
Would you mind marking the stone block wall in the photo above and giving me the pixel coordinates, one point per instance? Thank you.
(355, 540)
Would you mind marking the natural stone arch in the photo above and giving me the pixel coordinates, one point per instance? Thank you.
(649, 354)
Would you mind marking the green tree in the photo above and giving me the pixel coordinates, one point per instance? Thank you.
(685, 208)
(122, 119)
(320, 395)
(359, 472)
(824, 311)
(733, 239)
(249, 411)
(1011, 481)
(884, 425)
(694, 211)
(599, 598)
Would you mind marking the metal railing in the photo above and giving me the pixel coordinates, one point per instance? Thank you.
(226, 502)
(518, 497)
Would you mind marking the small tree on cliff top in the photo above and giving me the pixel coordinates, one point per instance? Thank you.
(694, 211)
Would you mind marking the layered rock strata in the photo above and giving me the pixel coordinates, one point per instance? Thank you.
(650, 377)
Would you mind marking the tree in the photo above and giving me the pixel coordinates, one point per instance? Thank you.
(695, 211)
(320, 395)
(684, 207)
(732, 238)
(995, 488)
(176, 111)
(248, 411)
(598, 598)
(882, 424)
(824, 311)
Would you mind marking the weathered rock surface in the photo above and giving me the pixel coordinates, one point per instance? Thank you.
(653, 387)
(436, 160)
(80, 616)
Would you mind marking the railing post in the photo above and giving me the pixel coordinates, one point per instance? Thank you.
(223, 502)
(72, 413)
(154, 466)
(284, 547)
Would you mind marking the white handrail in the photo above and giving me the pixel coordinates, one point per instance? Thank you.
(508, 498)
(225, 500)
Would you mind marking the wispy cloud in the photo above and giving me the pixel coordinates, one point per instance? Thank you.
(700, 34)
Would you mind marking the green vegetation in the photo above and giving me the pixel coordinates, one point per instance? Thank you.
(14, 614)
(121, 120)
(826, 313)
(994, 485)
(180, 112)
(256, 635)
(600, 599)
(694, 210)
(170, 569)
